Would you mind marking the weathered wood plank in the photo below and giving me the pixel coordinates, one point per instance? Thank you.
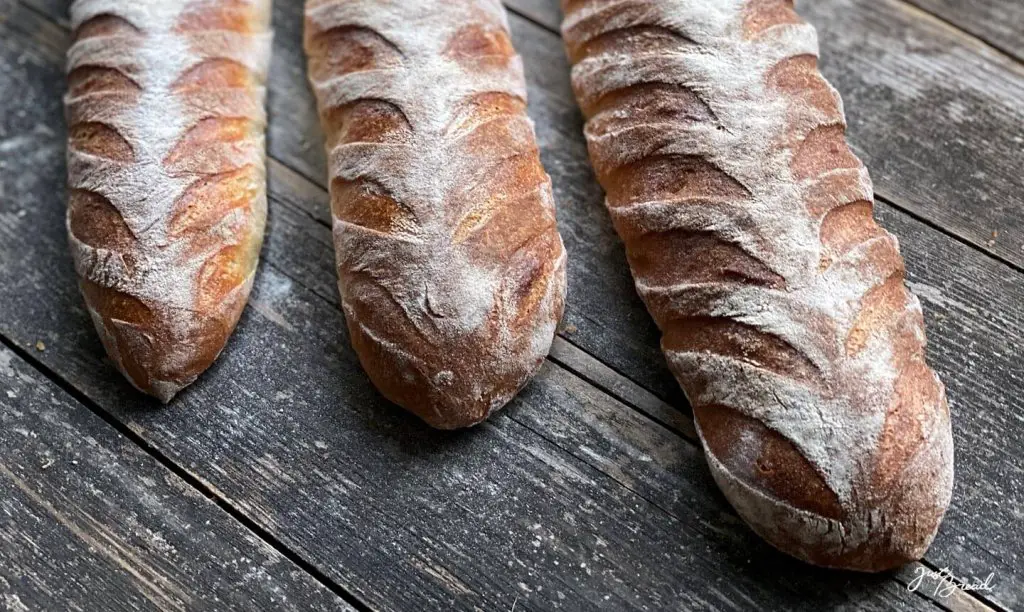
(600, 329)
(543, 12)
(88, 521)
(588, 367)
(286, 428)
(997, 22)
(57, 10)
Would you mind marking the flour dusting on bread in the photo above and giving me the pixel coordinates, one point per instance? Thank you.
(451, 269)
(748, 226)
(166, 176)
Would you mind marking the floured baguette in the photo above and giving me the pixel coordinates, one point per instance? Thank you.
(748, 227)
(166, 177)
(451, 269)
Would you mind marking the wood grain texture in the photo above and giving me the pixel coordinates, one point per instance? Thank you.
(88, 520)
(399, 515)
(997, 22)
(39, 303)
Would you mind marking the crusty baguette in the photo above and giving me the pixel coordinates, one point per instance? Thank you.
(748, 226)
(166, 176)
(451, 269)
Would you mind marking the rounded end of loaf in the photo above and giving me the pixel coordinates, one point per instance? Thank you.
(887, 520)
(449, 373)
(461, 384)
(160, 350)
(455, 396)
(164, 313)
(166, 177)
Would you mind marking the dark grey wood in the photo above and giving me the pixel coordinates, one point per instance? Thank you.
(999, 23)
(57, 10)
(88, 521)
(287, 429)
(591, 369)
(545, 13)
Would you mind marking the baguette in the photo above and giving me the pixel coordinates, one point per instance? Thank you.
(748, 227)
(166, 176)
(451, 269)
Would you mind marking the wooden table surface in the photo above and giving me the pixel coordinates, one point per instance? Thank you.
(281, 479)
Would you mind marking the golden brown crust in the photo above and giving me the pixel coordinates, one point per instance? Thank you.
(451, 269)
(748, 225)
(165, 163)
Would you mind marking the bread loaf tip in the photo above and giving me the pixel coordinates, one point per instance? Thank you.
(451, 270)
(481, 350)
(166, 177)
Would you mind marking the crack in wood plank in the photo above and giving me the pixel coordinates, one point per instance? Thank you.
(196, 483)
(84, 500)
(993, 22)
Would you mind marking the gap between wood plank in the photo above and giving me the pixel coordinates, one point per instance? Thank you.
(955, 236)
(40, 13)
(192, 480)
(532, 19)
(995, 47)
